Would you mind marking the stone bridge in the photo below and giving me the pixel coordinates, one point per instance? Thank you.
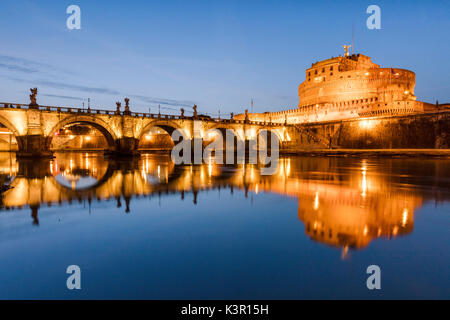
(34, 126)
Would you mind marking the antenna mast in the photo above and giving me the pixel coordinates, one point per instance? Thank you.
(353, 38)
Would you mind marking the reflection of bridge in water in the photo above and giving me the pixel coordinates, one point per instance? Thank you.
(342, 202)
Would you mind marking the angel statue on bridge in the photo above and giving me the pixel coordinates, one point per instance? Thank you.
(195, 110)
(33, 96)
(127, 106)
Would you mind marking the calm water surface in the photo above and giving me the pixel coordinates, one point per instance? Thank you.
(149, 229)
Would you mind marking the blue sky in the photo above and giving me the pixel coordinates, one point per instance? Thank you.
(217, 54)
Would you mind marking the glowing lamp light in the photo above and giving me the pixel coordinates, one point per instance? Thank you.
(366, 124)
(251, 134)
(212, 134)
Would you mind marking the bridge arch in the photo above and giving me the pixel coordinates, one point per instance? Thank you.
(157, 140)
(166, 125)
(238, 133)
(274, 131)
(268, 141)
(7, 124)
(97, 123)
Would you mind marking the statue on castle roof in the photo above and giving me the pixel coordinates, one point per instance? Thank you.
(118, 104)
(246, 115)
(182, 112)
(346, 47)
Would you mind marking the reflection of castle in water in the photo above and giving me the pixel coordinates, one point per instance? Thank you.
(342, 202)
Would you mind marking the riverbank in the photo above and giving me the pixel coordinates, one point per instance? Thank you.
(445, 153)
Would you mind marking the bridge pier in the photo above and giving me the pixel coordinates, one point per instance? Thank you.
(34, 169)
(125, 147)
(33, 146)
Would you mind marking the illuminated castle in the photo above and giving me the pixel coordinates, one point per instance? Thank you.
(349, 87)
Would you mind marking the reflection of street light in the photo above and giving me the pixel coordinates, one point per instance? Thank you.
(316, 201)
(364, 182)
(404, 217)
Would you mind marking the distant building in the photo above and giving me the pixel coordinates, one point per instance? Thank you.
(350, 87)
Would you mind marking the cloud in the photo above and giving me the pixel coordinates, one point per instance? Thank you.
(62, 85)
(167, 102)
(14, 67)
(99, 90)
(17, 64)
(29, 66)
(63, 97)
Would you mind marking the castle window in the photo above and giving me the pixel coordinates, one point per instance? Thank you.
(331, 73)
(331, 68)
(315, 71)
(323, 70)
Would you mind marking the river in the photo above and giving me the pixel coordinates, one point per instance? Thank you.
(147, 229)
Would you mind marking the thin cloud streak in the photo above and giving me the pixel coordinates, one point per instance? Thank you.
(29, 66)
(14, 67)
(167, 102)
(63, 97)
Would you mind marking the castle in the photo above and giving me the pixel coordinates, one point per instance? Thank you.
(349, 87)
